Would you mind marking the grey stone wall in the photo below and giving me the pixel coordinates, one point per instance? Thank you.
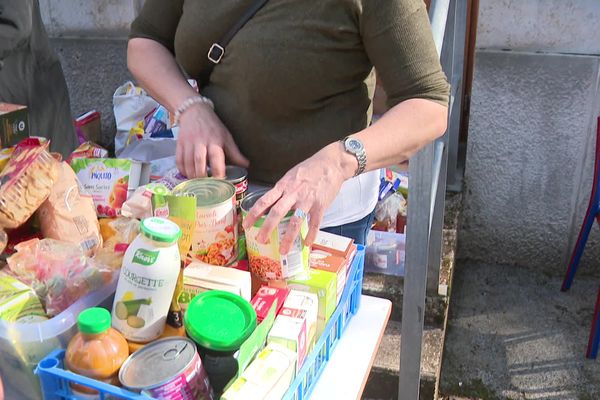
(529, 158)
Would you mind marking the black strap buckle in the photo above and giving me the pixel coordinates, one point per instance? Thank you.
(215, 53)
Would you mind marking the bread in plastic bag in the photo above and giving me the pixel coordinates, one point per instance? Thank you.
(69, 215)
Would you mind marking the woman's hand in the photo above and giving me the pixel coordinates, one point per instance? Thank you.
(311, 187)
(204, 140)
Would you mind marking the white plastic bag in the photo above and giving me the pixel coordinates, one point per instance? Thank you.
(159, 153)
(130, 105)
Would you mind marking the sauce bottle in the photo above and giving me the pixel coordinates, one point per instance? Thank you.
(97, 351)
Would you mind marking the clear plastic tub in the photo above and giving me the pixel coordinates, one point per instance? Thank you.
(22, 346)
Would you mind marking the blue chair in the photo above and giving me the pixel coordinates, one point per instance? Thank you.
(593, 213)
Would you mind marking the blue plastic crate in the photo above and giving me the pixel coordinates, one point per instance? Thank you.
(55, 380)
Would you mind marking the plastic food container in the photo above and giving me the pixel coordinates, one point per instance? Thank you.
(219, 322)
(22, 345)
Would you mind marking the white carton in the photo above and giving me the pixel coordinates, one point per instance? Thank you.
(308, 302)
(199, 277)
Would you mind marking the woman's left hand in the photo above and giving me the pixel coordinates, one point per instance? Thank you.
(310, 187)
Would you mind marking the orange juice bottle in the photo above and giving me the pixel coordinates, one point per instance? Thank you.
(97, 351)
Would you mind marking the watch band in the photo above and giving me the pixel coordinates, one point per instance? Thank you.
(360, 154)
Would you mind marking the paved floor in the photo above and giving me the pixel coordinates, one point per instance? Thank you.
(513, 335)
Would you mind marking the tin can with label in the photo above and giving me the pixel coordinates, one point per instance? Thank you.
(214, 240)
(265, 260)
(167, 369)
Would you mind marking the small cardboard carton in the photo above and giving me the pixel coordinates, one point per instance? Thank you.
(331, 264)
(14, 124)
(334, 244)
(199, 277)
(322, 284)
(266, 297)
(267, 378)
(308, 302)
(290, 330)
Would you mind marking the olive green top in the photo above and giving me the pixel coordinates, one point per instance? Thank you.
(299, 75)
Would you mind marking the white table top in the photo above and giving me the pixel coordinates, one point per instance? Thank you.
(346, 374)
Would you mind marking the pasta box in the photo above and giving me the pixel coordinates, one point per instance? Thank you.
(330, 264)
(14, 124)
(290, 330)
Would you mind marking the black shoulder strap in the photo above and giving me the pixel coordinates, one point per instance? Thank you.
(217, 50)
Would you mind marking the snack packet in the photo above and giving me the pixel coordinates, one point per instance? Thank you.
(117, 233)
(88, 150)
(26, 182)
(69, 215)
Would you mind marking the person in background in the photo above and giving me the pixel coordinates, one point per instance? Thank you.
(292, 97)
(31, 74)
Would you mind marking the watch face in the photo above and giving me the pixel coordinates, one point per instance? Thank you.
(353, 145)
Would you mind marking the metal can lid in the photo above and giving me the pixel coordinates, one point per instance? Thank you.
(157, 363)
(207, 191)
(249, 202)
(233, 173)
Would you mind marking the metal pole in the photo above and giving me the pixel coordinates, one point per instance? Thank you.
(417, 243)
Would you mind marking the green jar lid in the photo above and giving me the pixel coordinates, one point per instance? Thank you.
(219, 321)
(93, 321)
(160, 230)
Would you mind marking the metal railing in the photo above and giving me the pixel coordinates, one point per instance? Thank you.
(428, 171)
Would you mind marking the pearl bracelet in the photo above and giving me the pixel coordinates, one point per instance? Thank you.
(190, 101)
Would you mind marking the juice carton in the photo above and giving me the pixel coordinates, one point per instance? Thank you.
(322, 284)
(266, 297)
(110, 181)
(290, 331)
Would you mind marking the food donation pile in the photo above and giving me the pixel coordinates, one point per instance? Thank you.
(201, 309)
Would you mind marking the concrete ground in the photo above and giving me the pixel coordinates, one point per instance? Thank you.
(513, 335)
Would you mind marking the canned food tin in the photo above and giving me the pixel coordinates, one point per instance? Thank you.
(214, 240)
(265, 260)
(167, 369)
(238, 177)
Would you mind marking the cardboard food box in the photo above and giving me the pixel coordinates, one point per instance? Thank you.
(334, 244)
(200, 277)
(110, 181)
(290, 330)
(328, 263)
(14, 124)
(322, 284)
(266, 297)
(267, 378)
(308, 302)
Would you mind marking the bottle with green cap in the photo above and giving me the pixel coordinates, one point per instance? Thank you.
(147, 281)
(97, 351)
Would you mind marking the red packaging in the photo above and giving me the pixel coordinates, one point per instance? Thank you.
(88, 150)
(88, 126)
(264, 299)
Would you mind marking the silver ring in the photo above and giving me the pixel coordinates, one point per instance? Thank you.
(299, 213)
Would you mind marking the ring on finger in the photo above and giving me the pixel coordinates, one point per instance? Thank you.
(299, 213)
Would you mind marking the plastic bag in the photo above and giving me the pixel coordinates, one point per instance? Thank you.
(69, 215)
(386, 212)
(159, 153)
(130, 105)
(117, 233)
(59, 272)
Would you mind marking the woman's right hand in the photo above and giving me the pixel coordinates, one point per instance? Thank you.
(204, 140)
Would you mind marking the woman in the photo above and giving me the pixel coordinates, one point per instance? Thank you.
(293, 83)
(30, 74)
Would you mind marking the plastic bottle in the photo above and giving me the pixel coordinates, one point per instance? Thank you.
(97, 351)
(147, 281)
